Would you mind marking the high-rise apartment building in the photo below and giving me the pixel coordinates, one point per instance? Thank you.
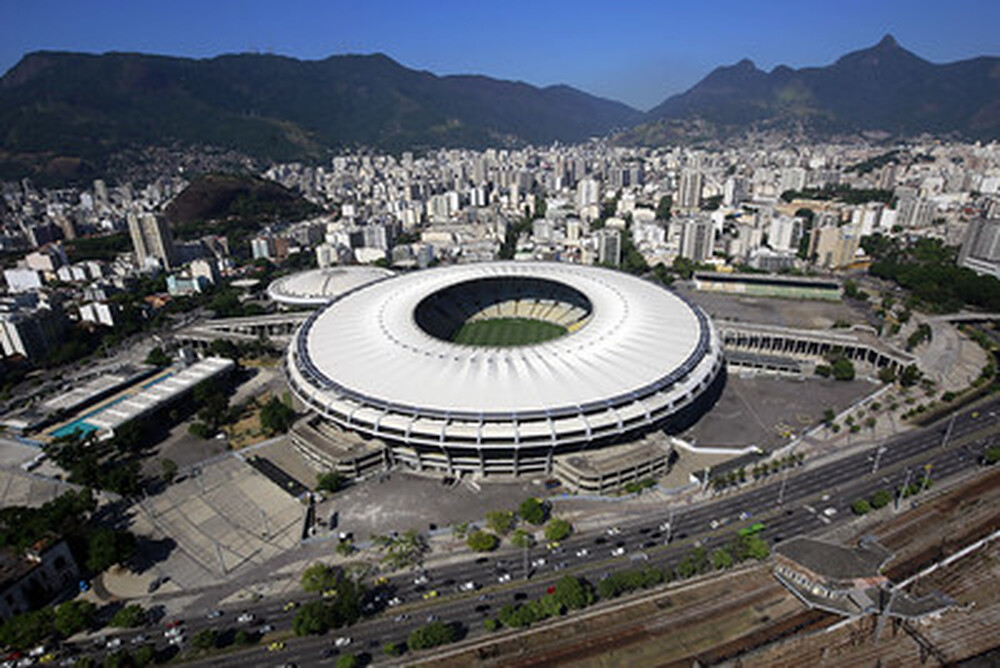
(151, 239)
(697, 239)
(689, 191)
(981, 249)
(609, 250)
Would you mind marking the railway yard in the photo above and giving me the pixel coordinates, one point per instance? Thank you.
(745, 617)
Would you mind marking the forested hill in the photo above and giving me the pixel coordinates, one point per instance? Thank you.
(80, 106)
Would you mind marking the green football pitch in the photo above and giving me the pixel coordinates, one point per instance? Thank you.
(507, 332)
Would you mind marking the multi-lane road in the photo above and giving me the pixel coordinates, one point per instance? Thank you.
(807, 500)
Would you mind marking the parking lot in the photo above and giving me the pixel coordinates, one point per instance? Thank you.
(401, 501)
(768, 412)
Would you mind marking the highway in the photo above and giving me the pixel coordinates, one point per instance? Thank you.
(813, 499)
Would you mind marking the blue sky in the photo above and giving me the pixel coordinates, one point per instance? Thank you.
(638, 52)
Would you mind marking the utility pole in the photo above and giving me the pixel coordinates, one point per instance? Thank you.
(670, 525)
(947, 432)
(927, 477)
(878, 457)
(781, 491)
(526, 559)
(902, 490)
(267, 529)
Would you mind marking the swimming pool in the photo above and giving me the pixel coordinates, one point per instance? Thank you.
(75, 425)
(81, 423)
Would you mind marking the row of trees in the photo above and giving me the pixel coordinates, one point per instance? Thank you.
(532, 511)
(573, 593)
(760, 471)
(340, 605)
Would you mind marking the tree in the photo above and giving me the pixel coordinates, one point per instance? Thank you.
(201, 430)
(881, 498)
(106, 547)
(861, 507)
(522, 539)
(205, 639)
(276, 417)
(331, 481)
(313, 618)
(157, 357)
(129, 617)
(241, 638)
(119, 659)
(843, 369)
(404, 550)
(320, 577)
(500, 521)
(348, 661)
(992, 455)
(224, 348)
(573, 593)
(663, 208)
(27, 629)
(431, 635)
(533, 511)
(394, 648)
(721, 559)
(491, 624)
(558, 529)
(72, 617)
(144, 655)
(911, 376)
(169, 467)
(887, 374)
(829, 416)
(482, 541)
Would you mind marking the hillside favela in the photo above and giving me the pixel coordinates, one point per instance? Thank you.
(388, 336)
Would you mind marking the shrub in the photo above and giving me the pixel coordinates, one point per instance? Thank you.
(558, 529)
(861, 507)
(431, 635)
(482, 541)
(533, 511)
(881, 498)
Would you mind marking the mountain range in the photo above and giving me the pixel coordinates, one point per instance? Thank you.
(884, 89)
(57, 106)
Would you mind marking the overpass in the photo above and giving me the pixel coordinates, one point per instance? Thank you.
(274, 327)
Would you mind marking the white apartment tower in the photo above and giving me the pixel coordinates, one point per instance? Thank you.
(152, 240)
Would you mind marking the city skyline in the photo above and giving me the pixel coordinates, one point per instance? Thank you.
(639, 57)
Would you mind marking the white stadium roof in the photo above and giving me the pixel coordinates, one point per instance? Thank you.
(319, 286)
(641, 352)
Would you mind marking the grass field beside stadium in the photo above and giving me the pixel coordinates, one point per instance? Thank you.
(503, 332)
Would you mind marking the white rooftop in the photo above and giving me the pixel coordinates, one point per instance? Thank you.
(319, 286)
(368, 344)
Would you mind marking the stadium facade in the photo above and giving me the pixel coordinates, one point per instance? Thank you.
(381, 361)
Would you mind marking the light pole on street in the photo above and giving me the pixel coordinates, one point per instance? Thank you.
(878, 456)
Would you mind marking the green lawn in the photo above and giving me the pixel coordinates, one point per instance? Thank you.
(507, 332)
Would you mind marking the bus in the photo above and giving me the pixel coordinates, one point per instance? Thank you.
(752, 529)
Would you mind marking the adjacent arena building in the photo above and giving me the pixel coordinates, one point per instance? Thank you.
(498, 368)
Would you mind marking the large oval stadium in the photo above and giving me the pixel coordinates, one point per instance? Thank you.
(497, 368)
